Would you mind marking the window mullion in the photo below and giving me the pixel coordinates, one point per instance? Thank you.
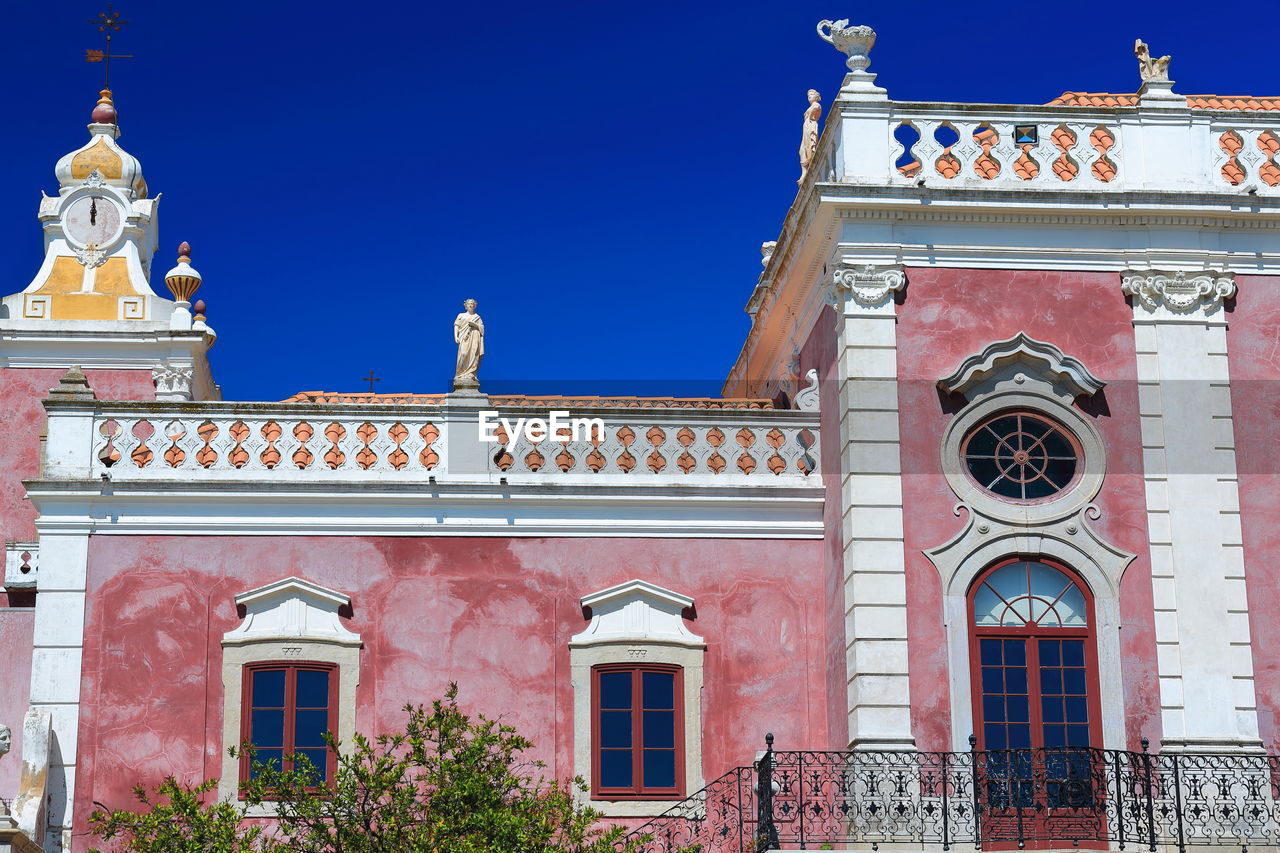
(1033, 692)
(637, 730)
(290, 706)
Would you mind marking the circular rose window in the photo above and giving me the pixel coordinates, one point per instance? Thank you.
(1021, 456)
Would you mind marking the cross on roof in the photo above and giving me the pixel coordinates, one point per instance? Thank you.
(370, 379)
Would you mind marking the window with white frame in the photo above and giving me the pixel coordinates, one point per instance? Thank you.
(289, 674)
(637, 679)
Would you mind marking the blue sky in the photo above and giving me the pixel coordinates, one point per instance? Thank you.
(598, 176)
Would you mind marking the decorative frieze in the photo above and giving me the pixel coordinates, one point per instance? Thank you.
(868, 285)
(1179, 291)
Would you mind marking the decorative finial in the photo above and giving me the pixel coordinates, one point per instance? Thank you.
(766, 252)
(74, 385)
(856, 43)
(1150, 69)
(199, 308)
(183, 280)
(809, 134)
(105, 111)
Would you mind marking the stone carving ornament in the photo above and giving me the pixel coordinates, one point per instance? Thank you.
(809, 135)
(468, 334)
(854, 42)
(1177, 291)
(1150, 69)
(869, 285)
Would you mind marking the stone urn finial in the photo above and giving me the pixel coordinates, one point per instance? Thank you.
(854, 42)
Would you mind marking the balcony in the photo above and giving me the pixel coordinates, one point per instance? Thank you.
(998, 800)
(418, 467)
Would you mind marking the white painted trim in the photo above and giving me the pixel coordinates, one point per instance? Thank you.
(426, 510)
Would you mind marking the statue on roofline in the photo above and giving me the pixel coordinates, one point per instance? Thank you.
(1150, 68)
(468, 334)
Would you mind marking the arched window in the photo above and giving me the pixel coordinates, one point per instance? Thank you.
(1034, 658)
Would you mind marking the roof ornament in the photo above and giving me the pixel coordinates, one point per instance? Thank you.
(1151, 69)
(854, 42)
(468, 334)
(809, 134)
(107, 22)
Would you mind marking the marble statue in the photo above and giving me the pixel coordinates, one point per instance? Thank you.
(1150, 69)
(809, 136)
(468, 334)
(6, 740)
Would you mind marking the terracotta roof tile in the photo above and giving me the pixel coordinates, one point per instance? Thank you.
(541, 401)
(1199, 102)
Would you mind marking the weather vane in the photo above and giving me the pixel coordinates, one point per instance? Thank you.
(107, 22)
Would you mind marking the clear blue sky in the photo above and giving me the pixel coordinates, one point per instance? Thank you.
(599, 176)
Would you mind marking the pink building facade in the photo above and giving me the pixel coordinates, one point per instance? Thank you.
(985, 542)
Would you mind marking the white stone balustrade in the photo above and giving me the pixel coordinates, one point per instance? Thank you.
(290, 442)
(1146, 147)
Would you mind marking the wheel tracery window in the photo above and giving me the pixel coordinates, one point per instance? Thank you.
(1021, 456)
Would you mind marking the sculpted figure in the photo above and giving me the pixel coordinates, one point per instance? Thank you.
(1149, 68)
(809, 135)
(6, 740)
(468, 334)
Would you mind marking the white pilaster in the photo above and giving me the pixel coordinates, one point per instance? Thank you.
(879, 702)
(58, 644)
(1203, 652)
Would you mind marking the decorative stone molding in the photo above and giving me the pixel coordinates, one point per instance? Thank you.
(637, 611)
(173, 382)
(291, 609)
(766, 252)
(94, 179)
(1177, 291)
(1070, 541)
(91, 257)
(869, 285)
(807, 398)
(1017, 361)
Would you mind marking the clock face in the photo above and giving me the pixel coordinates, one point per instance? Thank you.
(92, 220)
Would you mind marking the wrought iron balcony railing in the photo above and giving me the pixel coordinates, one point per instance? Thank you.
(1001, 800)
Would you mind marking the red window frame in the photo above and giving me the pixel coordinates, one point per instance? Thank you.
(638, 791)
(1031, 633)
(291, 669)
(1004, 823)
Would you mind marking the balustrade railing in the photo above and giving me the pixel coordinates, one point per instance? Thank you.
(1001, 800)
(1060, 148)
(164, 441)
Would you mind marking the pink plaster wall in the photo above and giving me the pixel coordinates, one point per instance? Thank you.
(21, 390)
(16, 627)
(819, 353)
(947, 315)
(1253, 345)
(493, 614)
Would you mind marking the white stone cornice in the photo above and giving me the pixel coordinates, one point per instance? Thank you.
(1178, 291)
(869, 286)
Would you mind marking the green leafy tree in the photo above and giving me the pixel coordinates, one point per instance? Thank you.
(177, 819)
(447, 783)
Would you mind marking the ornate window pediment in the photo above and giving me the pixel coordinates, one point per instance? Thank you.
(637, 611)
(291, 609)
(1021, 363)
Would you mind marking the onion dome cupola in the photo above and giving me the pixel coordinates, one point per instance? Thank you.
(102, 154)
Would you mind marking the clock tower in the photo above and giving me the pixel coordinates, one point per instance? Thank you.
(91, 302)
